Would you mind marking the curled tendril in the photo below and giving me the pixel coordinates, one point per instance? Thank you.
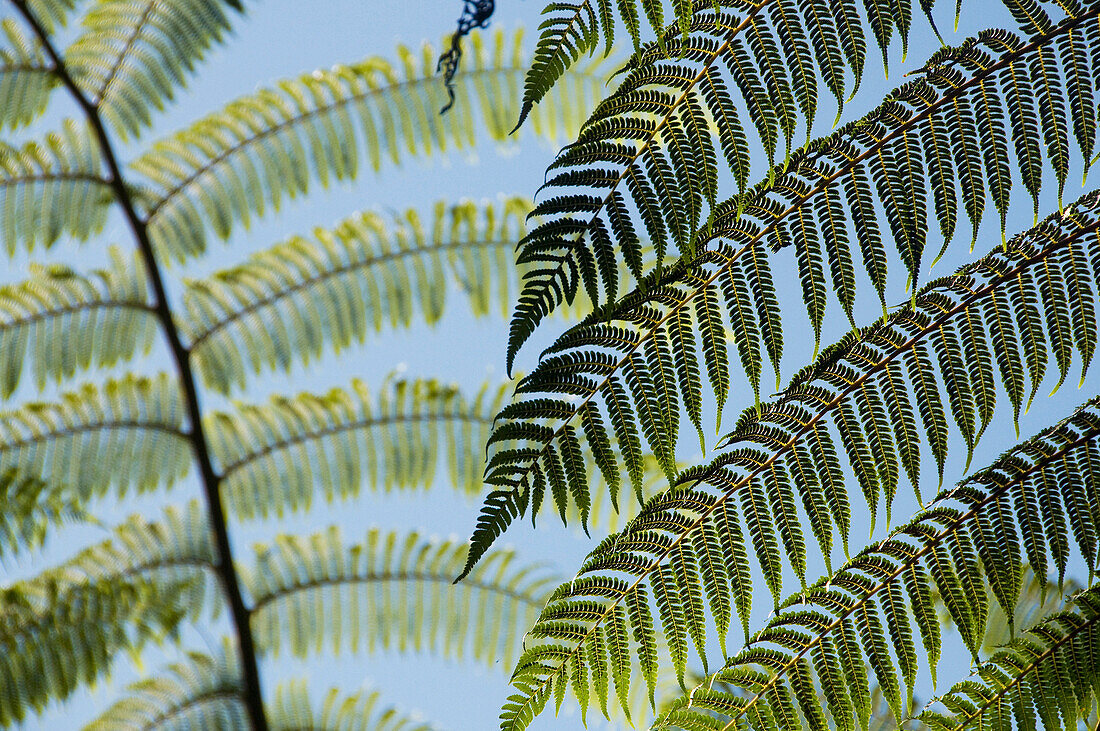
(475, 14)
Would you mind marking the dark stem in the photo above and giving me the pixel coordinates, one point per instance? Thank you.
(252, 693)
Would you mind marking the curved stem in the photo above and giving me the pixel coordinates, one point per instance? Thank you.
(252, 695)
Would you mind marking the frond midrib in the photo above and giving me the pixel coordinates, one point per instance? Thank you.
(395, 577)
(101, 425)
(169, 194)
(120, 57)
(731, 490)
(224, 691)
(48, 176)
(328, 431)
(276, 296)
(50, 313)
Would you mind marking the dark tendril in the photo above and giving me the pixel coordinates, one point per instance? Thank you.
(475, 14)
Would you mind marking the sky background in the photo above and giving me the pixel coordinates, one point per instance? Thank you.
(284, 38)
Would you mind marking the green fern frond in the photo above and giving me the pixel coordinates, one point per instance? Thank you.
(285, 304)
(649, 146)
(1051, 674)
(576, 28)
(867, 611)
(198, 692)
(62, 629)
(51, 189)
(281, 455)
(31, 509)
(293, 710)
(133, 426)
(690, 542)
(26, 78)
(270, 146)
(814, 204)
(133, 55)
(64, 322)
(393, 591)
(51, 14)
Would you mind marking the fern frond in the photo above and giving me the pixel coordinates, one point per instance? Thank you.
(823, 203)
(56, 636)
(649, 146)
(63, 628)
(51, 14)
(263, 148)
(285, 304)
(281, 455)
(133, 425)
(393, 591)
(133, 55)
(783, 454)
(198, 692)
(53, 188)
(63, 322)
(867, 611)
(26, 78)
(576, 28)
(1050, 674)
(293, 710)
(31, 509)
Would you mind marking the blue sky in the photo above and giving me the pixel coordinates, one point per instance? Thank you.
(283, 38)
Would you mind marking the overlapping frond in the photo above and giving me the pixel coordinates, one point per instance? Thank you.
(283, 454)
(51, 14)
(26, 78)
(574, 29)
(1022, 509)
(63, 628)
(649, 148)
(1049, 675)
(292, 709)
(200, 691)
(52, 188)
(56, 636)
(391, 592)
(133, 426)
(31, 509)
(133, 55)
(285, 304)
(626, 371)
(64, 322)
(781, 473)
(272, 145)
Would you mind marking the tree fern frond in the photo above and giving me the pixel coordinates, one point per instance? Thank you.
(576, 28)
(133, 55)
(31, 509)
(51, 14)
(198, 692)
(269, 146)
(63, 322)
(133, 425)
(63, 628)
(26, 78)
(890, 585)
(280, 455)
(393, 591)
(751, 481)
(51, 189)
(822, 203)
(1051, 673)
(292, 710)
(648, 147)
(286, 303)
